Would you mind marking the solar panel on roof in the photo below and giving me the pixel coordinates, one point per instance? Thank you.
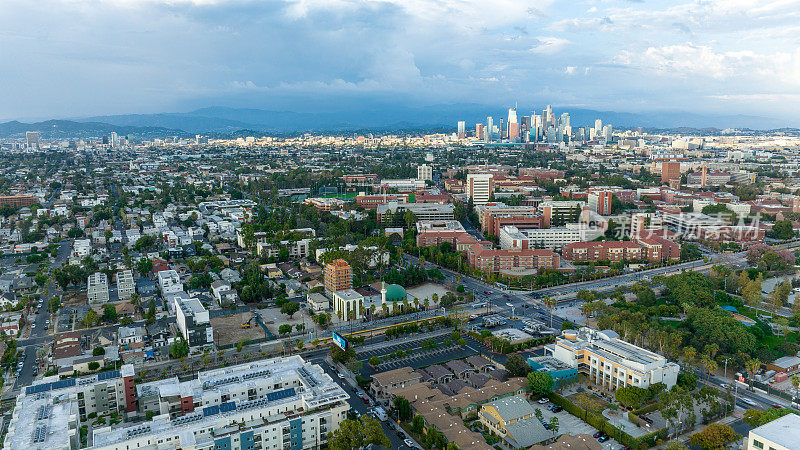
(278, 395)
(107, 375)
(210, 410)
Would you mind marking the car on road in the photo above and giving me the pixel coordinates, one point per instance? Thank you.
(339, 374)
(777, 406)
(409, 443)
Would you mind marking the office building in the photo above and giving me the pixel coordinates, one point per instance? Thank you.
(97, 288)
(480, 187)
(193, 321)
(32, 140)
(114, 141)
(611, 363)
(462, 129)
(780, 434)
(388, 213)
(425, 172)
(125, 284)
(670, 170)
(338, 276)
(644, 222)
(479, 133)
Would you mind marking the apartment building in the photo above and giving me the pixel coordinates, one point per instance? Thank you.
(97, 288)
(610, 362)
(425, 172)
(81, 248)
(514, 420)
(279, 403)
(509, 260)
(338, 276)
(126, 287)
(494, 216)
(373, 201)
(643, 222)
(600, 201)
(297, 249)
(169, 282)
(558, 213)
(193, 321)
(657, 249)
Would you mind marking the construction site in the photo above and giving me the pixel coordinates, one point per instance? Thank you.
(230, 329)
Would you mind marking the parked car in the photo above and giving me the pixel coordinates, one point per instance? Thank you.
(603, 438)
(556, 409)
(543, 400)
(409, 443)
(598, 435)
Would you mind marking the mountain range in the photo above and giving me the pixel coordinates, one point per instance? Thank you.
(222, 121)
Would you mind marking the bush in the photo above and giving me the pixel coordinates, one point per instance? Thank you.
(94, 365)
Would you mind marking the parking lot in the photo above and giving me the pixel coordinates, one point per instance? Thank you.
(416, 357)
(569, 424)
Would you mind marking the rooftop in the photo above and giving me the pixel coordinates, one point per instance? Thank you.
(781, 431)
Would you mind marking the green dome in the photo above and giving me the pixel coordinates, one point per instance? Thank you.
(395, 293)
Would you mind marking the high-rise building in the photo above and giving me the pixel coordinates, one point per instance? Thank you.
(489, 129)
(607, 132)
(462, 129)
(425, 173)
(114, 139)
(600, 202)
(32, 139)
(670, 170)
(598, 127)
(338, 276)
(513, 124)
(479, 131)
(547, 115)
(480, 187)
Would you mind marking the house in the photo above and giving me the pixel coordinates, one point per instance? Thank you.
(392, 379)
(460, 368)
(480, 363)
(514, 420)
(439, 373)
(130, 335)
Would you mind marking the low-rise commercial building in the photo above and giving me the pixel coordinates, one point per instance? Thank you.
(610, 362)
(780, 434)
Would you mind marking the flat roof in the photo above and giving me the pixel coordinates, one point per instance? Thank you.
(782, 431)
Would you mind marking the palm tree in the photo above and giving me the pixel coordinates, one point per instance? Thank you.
(689, 354)
(752, 366)
(427, 303)
(385, 309)
(416, 303)
(550, 303)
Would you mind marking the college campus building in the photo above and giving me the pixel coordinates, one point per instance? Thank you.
(610, 362)
(279, 403)
(780, 434)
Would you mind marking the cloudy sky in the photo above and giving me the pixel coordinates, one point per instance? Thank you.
(68, 58)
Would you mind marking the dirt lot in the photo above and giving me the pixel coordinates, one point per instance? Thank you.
(228, 329)
(76, 299)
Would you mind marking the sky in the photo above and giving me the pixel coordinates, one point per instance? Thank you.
(77, 58)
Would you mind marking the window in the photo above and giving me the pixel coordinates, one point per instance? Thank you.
(757, 444)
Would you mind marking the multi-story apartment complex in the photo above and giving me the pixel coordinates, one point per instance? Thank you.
(512, 259)
(17, 201)
(642, 222)
(494, 216)
(97, 288)
(125, 284)
(603, 251)
(610, 362)
(276, 404)
(338, 276)
(193, 321)
(558, 213)
(169, 282)
(600, 202)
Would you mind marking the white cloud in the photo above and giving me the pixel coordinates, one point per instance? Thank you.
(548, 45)
(570, 70)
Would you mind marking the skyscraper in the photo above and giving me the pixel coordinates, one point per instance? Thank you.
(513, 124)
(479, 131)
(32, 139)
(480, 187)
(547, 115)
(114, 139)
(489, 128)
(598, 127)
(462, 129)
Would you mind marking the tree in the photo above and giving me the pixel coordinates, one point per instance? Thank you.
(375, 361)
(179, 349)
(554, 425)
(755, 418)
(517, 366)
(354, 434)
(285, 329)
(90, 319)
(632, 396)
(110, 314)
(53, 305)
(780, 295)
(94, 365)
(403, 408)
(540, 383)
(98, 351)
(752, 367)
(151, 312)
(144, 266)
(782, 229)
(714, 436)
(290, 308)
(418, 424)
